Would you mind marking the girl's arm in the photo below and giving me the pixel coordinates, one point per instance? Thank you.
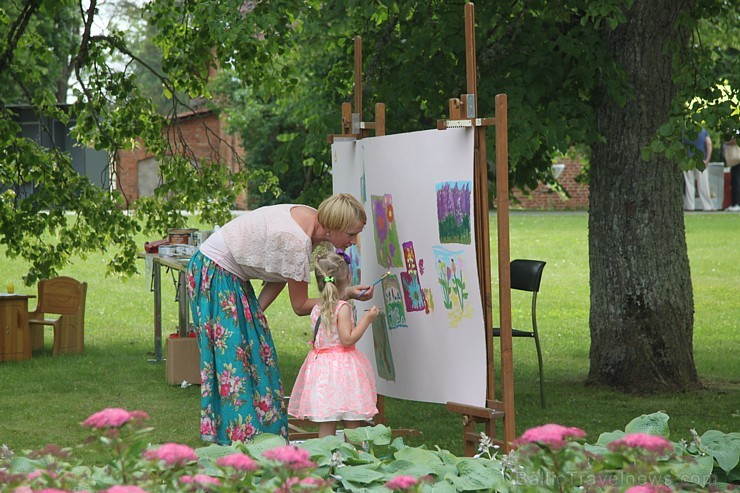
(349, 333)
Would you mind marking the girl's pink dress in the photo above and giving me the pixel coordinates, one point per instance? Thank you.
(335, 382)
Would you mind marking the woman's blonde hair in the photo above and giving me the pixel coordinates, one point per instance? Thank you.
(341, 212)
(332, 277)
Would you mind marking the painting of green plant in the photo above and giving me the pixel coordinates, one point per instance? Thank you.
(393, 298)
(451, 279)
(453, 211)
(387, 246)
(382, 346)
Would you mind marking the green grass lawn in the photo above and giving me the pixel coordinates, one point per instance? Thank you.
(44, 399)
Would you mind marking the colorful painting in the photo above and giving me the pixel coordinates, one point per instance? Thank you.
(382, 347)
(413, 295)
(430, 301)
(386, 237)
(451, 278)
(393, 299)
(354, 263)
(416, 185)
(453, 211)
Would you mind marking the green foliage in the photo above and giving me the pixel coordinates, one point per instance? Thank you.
(287, 67)
(541, 461)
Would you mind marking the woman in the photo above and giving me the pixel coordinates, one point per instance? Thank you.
(241, 388)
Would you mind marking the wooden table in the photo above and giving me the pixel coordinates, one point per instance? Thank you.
(173, 263)
(15, 336)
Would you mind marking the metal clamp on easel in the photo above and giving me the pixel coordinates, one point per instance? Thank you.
(463, 114)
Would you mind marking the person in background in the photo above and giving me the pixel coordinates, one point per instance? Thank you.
(704, 144)
(336, 382)
(734, 176)
(241, 387)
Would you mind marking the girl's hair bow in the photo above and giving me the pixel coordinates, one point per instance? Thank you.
(344, 255)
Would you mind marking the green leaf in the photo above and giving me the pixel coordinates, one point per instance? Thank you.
(214, 452)
(609, 436)
(696, 470)
(375, 435)
(417, 456)
(652, 424)
(262, 443)
(724, 447)
(474, 475)
(442, 487)
(359, 474)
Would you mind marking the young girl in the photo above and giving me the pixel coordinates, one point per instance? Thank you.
(336, 382)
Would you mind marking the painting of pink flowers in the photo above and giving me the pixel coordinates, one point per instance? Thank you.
(387, 246)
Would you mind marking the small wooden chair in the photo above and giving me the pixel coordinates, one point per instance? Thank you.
(63, 296)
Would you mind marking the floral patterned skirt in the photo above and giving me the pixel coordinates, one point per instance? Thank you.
(241, 389)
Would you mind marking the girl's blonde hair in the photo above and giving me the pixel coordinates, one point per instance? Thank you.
(341, 212)
(332, 277)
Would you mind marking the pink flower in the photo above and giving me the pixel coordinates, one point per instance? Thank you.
(315, 482)
(53, 490)
(401, 483)
(651, 443)
(200, 479)
(240, 462)
(287, 486)
(649, 488)
(551, 435)
(124, 489)
(113, 417)
(290, 455)
(172, 453)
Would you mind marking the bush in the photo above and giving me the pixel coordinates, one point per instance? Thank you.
(639, 459)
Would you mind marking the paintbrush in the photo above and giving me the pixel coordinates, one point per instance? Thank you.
(375, 283)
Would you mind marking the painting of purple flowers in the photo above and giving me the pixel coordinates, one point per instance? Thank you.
(453, 211)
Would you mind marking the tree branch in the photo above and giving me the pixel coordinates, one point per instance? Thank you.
(17, 30)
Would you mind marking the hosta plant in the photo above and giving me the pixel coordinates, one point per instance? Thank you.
(640, 459)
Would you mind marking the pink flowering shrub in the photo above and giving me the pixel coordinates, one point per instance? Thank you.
(114, 418)
(172, 454)
(546, 458)
(401, 483)
(551, 435)
(648, 443)
(239, 462)
(292, 457)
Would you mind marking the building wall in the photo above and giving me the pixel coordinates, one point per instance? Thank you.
(201, 131)
(543, 198)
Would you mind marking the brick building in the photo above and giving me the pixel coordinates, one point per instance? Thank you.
(543, 198)
(205, 134)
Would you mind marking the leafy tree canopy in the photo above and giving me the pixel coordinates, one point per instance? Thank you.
(285, 68)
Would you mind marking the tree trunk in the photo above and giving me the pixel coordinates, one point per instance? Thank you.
(641, 317)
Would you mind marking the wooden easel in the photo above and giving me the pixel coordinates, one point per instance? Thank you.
(464, 113)
(354, 127)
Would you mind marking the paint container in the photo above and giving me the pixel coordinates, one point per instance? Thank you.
(168, 250)
(199, 237)
(182, 236)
